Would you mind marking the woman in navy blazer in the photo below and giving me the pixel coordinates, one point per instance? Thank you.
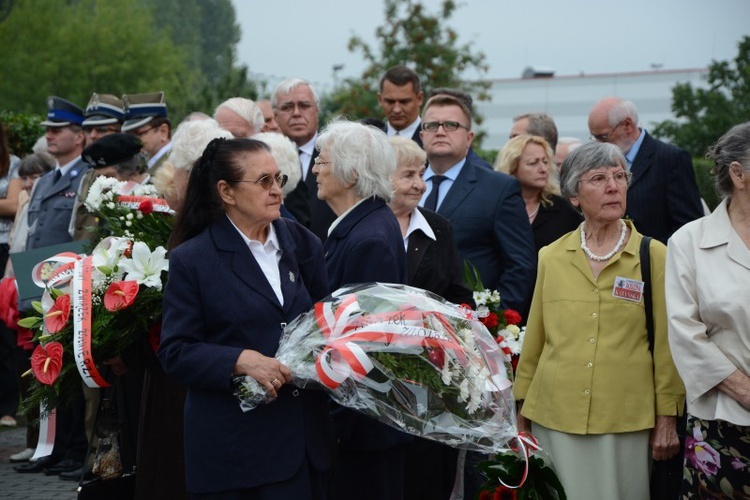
(238, 274)
(364, 244)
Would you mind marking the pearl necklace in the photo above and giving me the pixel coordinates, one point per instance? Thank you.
(600, 258)
(533, 214)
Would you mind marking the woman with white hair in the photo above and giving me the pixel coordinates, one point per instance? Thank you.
(188, 143)
(285, 153)
(364, 245)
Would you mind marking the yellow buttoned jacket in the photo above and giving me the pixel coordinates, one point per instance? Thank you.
(585, 366)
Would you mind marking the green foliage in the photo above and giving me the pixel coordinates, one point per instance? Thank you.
(76, 48)
(541, 482)
(71, 49)
(705, 182)
(706, 114)
(416, 38)
(22, 131)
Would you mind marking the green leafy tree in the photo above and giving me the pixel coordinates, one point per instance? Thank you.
(416, 38)
(74, 48)
(704, 114)
(208, 32)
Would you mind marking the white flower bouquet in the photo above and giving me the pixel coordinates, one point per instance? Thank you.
(405, 357)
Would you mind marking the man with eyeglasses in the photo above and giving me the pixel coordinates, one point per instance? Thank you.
(103, 116)
(491, 228)
(295, 105)
(663, 194)
(146, 118)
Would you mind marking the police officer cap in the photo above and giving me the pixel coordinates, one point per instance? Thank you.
(61, 113)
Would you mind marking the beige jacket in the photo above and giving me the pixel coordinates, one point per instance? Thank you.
(708, 306)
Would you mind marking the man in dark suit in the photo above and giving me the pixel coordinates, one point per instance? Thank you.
(295, 105)
(663, 194)
(400, 98)
(465, 98)
(50, 222)
(491, 228)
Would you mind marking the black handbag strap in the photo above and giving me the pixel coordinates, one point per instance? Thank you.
(646, 277)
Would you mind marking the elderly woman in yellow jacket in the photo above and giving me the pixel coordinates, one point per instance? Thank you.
(591, 389)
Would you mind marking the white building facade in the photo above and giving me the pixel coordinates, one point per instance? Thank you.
(568, 99)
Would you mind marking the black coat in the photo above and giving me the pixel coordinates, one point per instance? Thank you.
(434, 264)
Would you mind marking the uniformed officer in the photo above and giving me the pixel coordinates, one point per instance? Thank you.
(49, 219)
(146, 118)
(54, 194)
(103, 116)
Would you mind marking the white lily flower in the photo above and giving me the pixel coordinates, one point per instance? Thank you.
(145, 267)
(108, 252)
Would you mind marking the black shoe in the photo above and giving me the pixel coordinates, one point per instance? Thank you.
(37, 465)
(66, 465)
(75, 475)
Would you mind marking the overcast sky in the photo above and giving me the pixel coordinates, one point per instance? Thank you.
(282, 38)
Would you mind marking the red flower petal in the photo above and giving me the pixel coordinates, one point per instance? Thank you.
(146, 207)
(512, 317)
(490, 321)
(46, 362)
(120, 294)
(57, 316)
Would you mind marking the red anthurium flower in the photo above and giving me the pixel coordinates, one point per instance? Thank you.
(120, 294)
(146, 207)
(512, 317)
(57, 316)
(46, 362)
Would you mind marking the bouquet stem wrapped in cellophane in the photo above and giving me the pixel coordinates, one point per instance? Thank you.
(405, 357)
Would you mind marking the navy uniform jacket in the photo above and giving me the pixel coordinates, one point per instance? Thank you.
(217, 303)
(492, 231)
(366, 246)
(663, 195)
(51, 207)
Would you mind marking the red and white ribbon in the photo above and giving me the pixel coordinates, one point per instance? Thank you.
(46, 442)
(526, 443)
(348, 338)
(134, 202)
(82, 313)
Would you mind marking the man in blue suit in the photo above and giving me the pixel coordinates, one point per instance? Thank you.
(663, 194)
(491, 228)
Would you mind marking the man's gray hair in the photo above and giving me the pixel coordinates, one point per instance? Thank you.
(246, 109)
(540, 124)
(286, 86)
(620, 111)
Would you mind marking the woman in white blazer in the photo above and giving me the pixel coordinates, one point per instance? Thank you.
(708, 304)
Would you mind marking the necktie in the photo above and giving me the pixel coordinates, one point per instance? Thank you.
(301, 167)
(431, 201)
(58, 175)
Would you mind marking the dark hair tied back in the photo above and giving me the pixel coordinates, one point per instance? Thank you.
(209, 155)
